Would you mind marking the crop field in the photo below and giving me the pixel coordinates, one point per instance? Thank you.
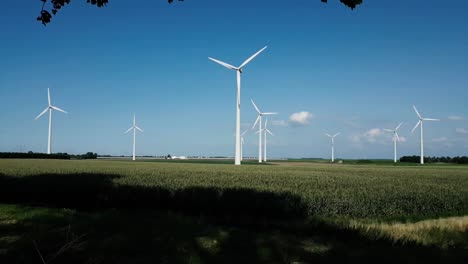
(282, 191)
(422, 209)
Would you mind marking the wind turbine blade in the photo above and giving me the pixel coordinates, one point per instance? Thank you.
(48, 95)
(328, 135)
(244, 132)
(336, 134)
(397, 137)
(256, 121)
(416, 110)
(128, 130)
(58, 109)
(266, 123)
(139, 128)
(398, 127)
(389, 130)
(269, 132)
(251, 58)
(419, 122)
(43, 112)
(430, 119)
(269, 113)
(256, 132)
(256, 108)
(229, 66)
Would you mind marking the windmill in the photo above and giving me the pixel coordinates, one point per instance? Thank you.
(49, 108)
(239, 71)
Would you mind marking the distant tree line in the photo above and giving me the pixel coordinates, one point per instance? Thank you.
(88, 155)
(32, 155)
(416, 159)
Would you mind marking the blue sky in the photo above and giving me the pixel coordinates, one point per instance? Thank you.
(354, 72)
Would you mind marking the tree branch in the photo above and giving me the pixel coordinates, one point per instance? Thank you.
(45, 16)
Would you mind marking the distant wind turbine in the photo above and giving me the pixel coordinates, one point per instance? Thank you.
(420, 123)
(265, 130)
(239, 71)
(242, 144)
(49, 108)
(333, 145)
(134, 127)
(395, 139)
(259, 121)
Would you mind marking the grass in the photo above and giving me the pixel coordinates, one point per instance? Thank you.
(443, 232)
(167, 212)
(120, 236)
(375, 192)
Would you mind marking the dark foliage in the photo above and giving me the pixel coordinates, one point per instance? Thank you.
(88, 155)
(32, 155)
(349, 3)
(45, 16)
(416, 159)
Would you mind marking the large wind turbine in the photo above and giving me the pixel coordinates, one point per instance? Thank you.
(420, 123)
(242, 144)
(239, 71)
(259, 121)
(395, 139)
(134, 127)
(49, 108)
(333, 145)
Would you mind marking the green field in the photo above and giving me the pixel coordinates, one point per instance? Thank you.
(209, 212)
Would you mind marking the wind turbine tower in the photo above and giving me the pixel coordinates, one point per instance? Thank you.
(49, 108)
(332, 145)
(242, 144)
(395, 139)
(420, 123)
(135, 128)
(265, 130)
(238, 102)
(259, 121)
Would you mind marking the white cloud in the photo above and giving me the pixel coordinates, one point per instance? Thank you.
(372, 134)
(279, 123)
(461, 131)
(441, 139)
(403, 139)
(455, 118)
(300, 119)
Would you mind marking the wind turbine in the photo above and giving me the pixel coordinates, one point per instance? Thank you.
(49, 108)
(239, 71)
(259, 121)
(395, 139)
(242, 144)
(265, 130)
(420, 123)
(333, 145)
(134, 127)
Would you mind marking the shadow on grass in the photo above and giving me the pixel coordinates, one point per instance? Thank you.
(98, 191)
(121, 236)
(138, 224)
